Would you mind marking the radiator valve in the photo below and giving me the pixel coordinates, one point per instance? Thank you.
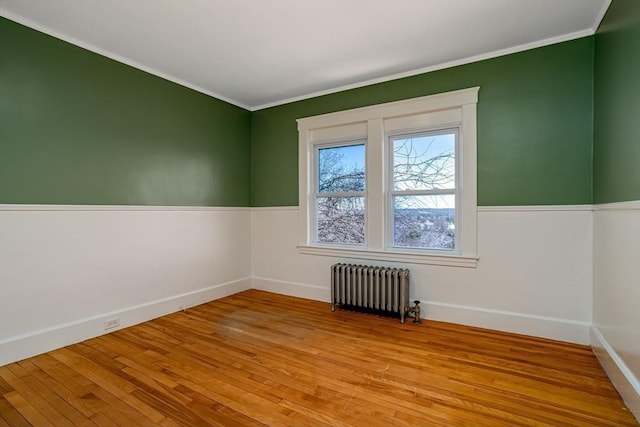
(416, 311)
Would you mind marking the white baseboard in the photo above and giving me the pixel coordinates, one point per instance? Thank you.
(507, 321)
(34, 343)
(540, 326)
(300, 290)
(625, 382)
(20, 347)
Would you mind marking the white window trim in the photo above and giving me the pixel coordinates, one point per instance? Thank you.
(465, 101)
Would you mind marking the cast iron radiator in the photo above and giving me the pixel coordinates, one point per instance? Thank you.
(381, 290)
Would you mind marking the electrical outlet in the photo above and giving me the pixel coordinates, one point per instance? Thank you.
(111, 323)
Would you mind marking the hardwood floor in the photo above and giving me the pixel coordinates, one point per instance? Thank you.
(257, 358)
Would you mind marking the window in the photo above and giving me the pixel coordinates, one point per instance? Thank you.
(423, 190)
(394, 182)
(340, 196)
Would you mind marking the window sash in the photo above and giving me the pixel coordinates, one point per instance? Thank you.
(336, 194)
(391, 137)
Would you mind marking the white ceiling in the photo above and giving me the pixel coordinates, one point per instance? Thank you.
(259, 53)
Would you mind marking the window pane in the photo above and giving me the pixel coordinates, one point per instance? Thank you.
(424, 162)
(424, 221)
(341, 169)
(340, 220)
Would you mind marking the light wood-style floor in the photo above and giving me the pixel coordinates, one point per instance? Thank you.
(257, 358)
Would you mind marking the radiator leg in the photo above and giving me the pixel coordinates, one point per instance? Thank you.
(333, 287)
(404, 297)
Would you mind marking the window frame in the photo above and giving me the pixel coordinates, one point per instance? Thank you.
(373, 124)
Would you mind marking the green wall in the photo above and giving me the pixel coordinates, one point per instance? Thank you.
(534, 126)
(617, 104)
(79, 128)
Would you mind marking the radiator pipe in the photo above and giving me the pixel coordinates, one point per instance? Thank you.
(416, 311)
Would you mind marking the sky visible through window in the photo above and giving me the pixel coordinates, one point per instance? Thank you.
(341, 168)
(352, 156)
(420, 162)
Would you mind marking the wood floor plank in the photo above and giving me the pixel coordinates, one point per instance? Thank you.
(36, 380)
(28, 411)
(10, 414)
(111, 389)
(22, 383)
(76, 390)
(261, 359)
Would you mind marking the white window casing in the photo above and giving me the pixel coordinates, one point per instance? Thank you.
(373, 124)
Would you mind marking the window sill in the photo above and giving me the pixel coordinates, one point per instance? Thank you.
(411, 258)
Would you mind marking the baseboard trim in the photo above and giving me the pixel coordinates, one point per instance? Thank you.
(294, 289)
(508, 321)
(526, 324)
(21, 347)
(623, 379)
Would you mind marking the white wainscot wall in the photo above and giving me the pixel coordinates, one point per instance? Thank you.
(616, 321)
(534, 275)
(65, 270)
